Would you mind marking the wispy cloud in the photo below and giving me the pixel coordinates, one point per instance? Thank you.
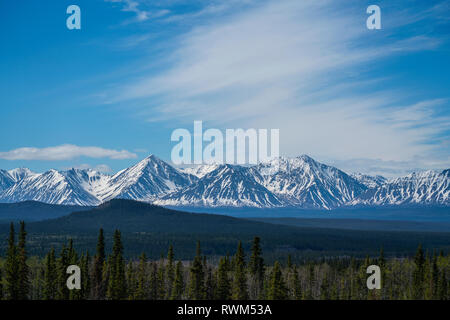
(65, 152)
(136, 7)
(304, 67)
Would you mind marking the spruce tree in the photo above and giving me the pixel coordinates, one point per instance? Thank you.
(256, 268)
(142, 286)
(161, 282)
(196, 284)
(170, 271)
(50, 276)
(277, 287)
(117, 282)
(289, 261)
(1, 285)
(297, 288)
(23, 270)
(443, 287)
(210, 285)
(85, 278)
(382, 265)
(419, 274)
(309, 295)
(434, 279)
(61, 265)
(178, 283)
(72, 256)
(325, 289)
(11, 268)
(131, 281)
(223, 281)
(98, 287)
(153, 292)
(239, 289)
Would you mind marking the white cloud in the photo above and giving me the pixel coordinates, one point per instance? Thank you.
(132, 6)
(65, 152)
(135, 6)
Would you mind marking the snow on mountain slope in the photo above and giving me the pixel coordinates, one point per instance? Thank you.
(227, 185)
(306, 183)
(20, 173)
(201, 170)
(292, 182)
(369, 181)
(6, 180)
(422, 188)
(54, 187)
(145, 181)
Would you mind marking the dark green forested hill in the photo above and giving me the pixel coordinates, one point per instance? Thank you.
(152, 228)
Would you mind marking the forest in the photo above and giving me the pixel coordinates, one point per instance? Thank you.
(240, 276)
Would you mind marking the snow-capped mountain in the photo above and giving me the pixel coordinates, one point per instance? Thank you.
(227, 185)
(145, 181)
(423, 188)
(370, 181)
(55, 187)
(304, 182)
(299, 182)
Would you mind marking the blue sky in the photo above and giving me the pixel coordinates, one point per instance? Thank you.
(105, 96)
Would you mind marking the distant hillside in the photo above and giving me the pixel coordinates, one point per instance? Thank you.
(360, 224)
(35, 211)
(151, 229)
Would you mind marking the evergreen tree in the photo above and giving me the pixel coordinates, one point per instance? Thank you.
(72, 257)
(434, 279)
(98, 287)
(210, 285)
(117, 283)
(154, 282)
(443, 287)
(50, 276)
(61, 265)
(419, 274)
(325, 289)
(23, 270)
(239, 289)
(277, 288)
(131, 281)
(296, 285)
(85, 278)
(11, 268)
(161, 282)
(170, 271)
(382, 265)
(196, 284)
(309, 295)
(1, 285)
(289, 261)
(256, 268)
(178, 283)
(223, 281)
(142, 286)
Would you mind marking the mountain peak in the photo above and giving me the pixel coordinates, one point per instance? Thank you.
(299, 181)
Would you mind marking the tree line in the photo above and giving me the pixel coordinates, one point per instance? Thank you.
(238, 277)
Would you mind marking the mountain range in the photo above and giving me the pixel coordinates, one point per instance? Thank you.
(300, 182)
